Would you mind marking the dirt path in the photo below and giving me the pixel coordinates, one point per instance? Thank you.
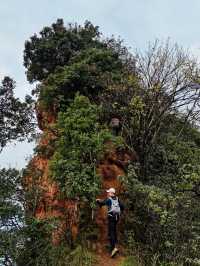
(110, 168)
(103, 256)
(106, 260)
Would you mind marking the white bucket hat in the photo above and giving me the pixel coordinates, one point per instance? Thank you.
(112, 190)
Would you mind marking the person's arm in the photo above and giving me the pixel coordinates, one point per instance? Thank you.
(102, 202)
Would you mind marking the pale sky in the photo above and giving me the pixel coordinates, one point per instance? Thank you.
(138, 22)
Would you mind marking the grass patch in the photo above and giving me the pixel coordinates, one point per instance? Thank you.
(81, 257)
(130, 261)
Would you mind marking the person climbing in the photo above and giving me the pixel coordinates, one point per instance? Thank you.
(115, 208)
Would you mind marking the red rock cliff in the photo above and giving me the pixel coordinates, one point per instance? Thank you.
(49, 204)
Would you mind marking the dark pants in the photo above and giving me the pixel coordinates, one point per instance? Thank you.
(112, 231)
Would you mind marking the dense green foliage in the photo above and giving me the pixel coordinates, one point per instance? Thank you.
(55, 46)
(74, 58)
(81, 143)
(16, 117)
(165, 206)
(11, 214)
(16, 124)
(90, 72)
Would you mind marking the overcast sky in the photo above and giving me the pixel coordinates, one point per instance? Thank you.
(135, 21)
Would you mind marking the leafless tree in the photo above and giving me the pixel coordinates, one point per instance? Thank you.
(170, 83)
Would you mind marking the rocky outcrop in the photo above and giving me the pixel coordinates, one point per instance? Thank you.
(49, 204)
(110, 169)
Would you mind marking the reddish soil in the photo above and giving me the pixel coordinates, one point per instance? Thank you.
(105, 260)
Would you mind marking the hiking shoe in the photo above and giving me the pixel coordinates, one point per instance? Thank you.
(114, 252)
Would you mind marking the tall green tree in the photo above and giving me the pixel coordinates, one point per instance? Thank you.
(11, 215)
(55, 46)
(16, 124)
(16, 117)
(65, 60)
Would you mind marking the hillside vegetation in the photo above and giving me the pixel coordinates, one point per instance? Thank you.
(82, 82)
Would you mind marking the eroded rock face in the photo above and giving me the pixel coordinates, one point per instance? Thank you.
(45, 119)
(50, 205)
(110, 169)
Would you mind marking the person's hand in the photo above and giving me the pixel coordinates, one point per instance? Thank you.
(98, 200)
